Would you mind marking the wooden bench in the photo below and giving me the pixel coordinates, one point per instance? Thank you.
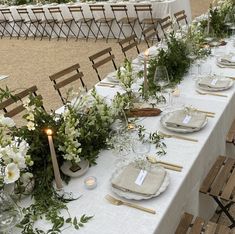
(189, 224)
(220, 184)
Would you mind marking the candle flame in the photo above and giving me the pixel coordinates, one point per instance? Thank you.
(146, 52)
(49, 132)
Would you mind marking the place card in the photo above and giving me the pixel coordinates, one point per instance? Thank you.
(187, 119)
(214, 81)
(140, 178)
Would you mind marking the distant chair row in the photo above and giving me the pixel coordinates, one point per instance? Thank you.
(39, 24)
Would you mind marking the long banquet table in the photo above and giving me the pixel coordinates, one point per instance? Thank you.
(160, 10)
(182, 193)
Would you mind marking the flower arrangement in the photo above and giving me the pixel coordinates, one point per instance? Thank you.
(79, 132)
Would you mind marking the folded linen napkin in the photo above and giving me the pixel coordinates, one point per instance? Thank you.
(213, 82)
(180, 119)
(228, 60)
(151, 184)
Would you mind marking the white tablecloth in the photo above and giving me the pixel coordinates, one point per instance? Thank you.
(160, 10)
(183, 192)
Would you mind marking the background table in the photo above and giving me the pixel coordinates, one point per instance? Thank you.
(160, 10)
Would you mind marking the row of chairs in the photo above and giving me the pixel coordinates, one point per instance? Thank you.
(39, 24)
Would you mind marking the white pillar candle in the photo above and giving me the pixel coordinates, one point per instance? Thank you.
(146, 53)
(58, 180)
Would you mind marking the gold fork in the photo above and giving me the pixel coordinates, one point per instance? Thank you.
(118, 202)
(209, 93)
(177, 137)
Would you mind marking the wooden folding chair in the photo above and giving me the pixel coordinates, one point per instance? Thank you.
(166, 25)
(102, 21)
(151, 33)
(12, 107)
(9, 21)
(129, 43)
(101, 58)
(197, 225)
(28, 22)
(220, 185)
(145, 9)
(60, 22)
(231, 134)
(80, 20)
(181, 16)
(43, 22)
(123, 21)
(65, 77)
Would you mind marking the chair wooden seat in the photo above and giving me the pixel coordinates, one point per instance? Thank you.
(149, 21)
(126, 20)
(231, 134)
(105, 20)
(197, 225)
(220, 184)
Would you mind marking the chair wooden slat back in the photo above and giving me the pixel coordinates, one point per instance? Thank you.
(129, 43)
(197, 225)
(166, 24)
(65, 77)
(101, 58)
(19, 96)
(151, 33)
(220, 185)
(180, 16)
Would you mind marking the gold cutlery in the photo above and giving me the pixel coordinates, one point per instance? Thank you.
(166, 165)
(118, 202)
(209, 93)
(177, 137)
(206, 112)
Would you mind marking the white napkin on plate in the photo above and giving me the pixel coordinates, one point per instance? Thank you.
(151, 184)
(213, 82)
(181, 119)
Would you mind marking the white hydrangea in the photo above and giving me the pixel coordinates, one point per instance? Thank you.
(6, 122)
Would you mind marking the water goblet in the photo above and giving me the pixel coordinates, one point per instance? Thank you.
(161, 78)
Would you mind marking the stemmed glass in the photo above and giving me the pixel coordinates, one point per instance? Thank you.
(161, 79)
(141, 148)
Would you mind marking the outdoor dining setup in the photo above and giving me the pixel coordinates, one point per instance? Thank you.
(144, 150)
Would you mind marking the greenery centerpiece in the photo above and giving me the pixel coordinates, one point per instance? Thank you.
(79, 132)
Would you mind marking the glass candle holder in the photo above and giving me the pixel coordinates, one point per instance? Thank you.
(90, 182)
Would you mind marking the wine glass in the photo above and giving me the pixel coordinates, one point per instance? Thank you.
(10, 214)
(161, 79)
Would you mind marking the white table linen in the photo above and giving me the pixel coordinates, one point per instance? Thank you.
(183, 191)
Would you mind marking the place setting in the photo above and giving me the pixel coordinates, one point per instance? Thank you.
(213, 85)
(226, 61)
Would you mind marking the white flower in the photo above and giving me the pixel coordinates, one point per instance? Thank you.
(30, 117)
(26, 102)
(6, 121)
(31, 126)
(12, 173)
(26, 178)
(19, 160)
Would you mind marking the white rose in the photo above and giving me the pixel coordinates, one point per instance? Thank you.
(26, 178)
(30, 126)
(19, 160)
(12, 173)
(6, 121)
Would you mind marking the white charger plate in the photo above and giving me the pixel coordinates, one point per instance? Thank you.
(135, 196)
(215, 89)
(166, 116)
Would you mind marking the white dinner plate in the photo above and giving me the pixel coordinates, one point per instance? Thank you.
(135, 196)
(215, 89)
(166, 116)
